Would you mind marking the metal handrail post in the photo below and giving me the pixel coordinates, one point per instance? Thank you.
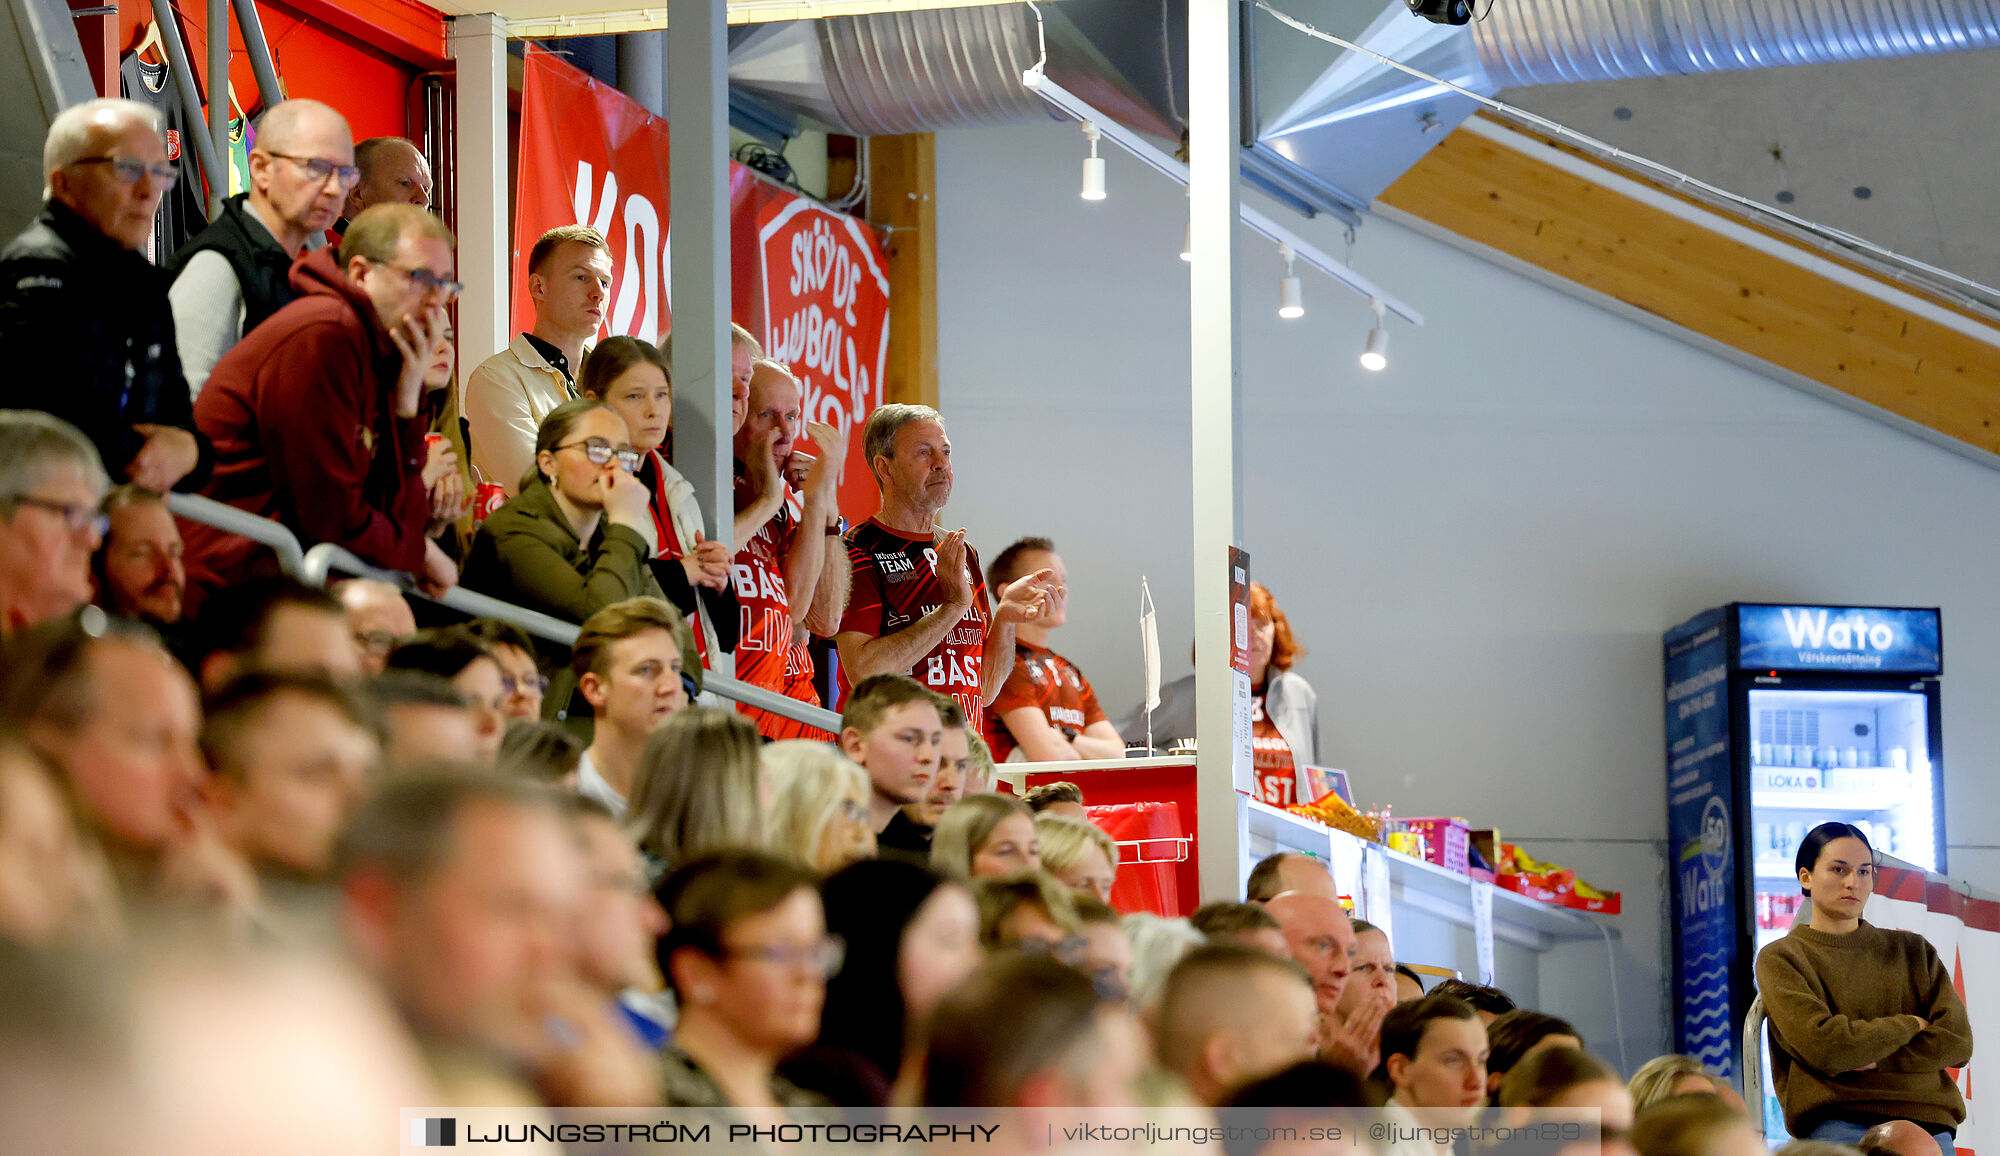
(269, 89)
(1753, 1063)
(183, 74)
(262, 530)
(218, 102)
(323, 559)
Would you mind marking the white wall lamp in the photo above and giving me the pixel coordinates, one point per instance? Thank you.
(1375, 355)
(1291, 299)
(1093, 165)
(1157, 159)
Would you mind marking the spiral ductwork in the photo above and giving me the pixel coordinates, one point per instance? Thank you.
(1529, 42)
(918, 71)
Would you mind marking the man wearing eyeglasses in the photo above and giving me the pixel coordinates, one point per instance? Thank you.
(378, 616)
(237, 272)
(50, 484)
(83, 315)
(314, 413)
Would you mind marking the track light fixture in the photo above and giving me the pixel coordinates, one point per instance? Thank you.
(1093, 165)
(1375, 355)
(1291, 299)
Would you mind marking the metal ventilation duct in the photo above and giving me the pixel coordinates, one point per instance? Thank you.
(901, 72)
(1526, 42)
(1327, 130)
(913, 71)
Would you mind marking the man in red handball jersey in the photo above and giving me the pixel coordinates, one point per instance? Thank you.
(919, 606)
(790, 572)
(1046, 711)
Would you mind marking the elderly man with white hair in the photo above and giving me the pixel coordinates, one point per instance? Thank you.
(237, 272)
(84, 317)
(50, 487)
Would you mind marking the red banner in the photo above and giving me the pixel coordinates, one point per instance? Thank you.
(811, 283)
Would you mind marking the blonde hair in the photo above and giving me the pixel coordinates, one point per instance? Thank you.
(806, 781)
(1157, 946)
(1655, 1079)
(980, 780)
(1000, 898)
(696, 790)
(1066, 839)
(967, 824)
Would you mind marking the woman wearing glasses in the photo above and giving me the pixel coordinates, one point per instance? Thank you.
(630, 376)
(577, 535)
(747, 956)
(818, 810)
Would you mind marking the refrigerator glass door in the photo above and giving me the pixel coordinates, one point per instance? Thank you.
(1856, 756)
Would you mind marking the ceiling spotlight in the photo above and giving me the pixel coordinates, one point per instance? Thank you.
(1375, 356)
(1093, 165)
(1291, 300)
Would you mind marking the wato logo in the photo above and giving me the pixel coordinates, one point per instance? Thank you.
(1703, 889)
(1714, 834)
(1810, 628)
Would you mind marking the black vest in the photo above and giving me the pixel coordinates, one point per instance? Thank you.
(263, 270)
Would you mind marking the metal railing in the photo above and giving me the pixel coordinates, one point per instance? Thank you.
(316, 566)
(1753, 1063)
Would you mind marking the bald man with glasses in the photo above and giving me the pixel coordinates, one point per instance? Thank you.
(315, 414)
(84, 316)
(233, 275)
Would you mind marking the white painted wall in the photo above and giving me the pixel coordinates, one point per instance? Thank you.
(1481, 546)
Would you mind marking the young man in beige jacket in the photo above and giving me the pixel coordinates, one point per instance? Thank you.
(506, 398)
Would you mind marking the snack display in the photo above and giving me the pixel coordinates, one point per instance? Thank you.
(1332, 811)
(1521, 873)
(1452, 843)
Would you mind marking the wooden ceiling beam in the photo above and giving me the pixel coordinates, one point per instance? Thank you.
(1826, 321)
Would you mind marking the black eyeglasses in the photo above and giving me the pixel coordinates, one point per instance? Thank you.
(319, 168)
(129, 170)
(428, 281)
(78, 516)
(600, 453)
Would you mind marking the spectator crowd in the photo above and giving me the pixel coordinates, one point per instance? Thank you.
(272, 857)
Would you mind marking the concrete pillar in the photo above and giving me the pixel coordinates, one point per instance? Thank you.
(1213, 128)
(698, 236)
(478, 45)
(642, 69)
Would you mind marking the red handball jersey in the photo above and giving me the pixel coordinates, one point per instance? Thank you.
(1271, 759)
(769, 653)
(895, 583)
(1051, 684)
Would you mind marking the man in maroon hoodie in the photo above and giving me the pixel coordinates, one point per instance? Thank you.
(314, 413)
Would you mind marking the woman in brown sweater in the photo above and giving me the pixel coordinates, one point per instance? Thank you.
(1864, 1021)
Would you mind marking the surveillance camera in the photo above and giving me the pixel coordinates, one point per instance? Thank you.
(1443, 11)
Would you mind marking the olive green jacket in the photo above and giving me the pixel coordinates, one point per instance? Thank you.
(526, 553)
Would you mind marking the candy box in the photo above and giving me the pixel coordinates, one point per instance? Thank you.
(1446, 841)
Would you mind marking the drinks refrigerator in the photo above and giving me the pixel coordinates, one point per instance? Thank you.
(1780, 718)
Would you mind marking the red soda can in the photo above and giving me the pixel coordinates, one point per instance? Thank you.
(491, 496)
